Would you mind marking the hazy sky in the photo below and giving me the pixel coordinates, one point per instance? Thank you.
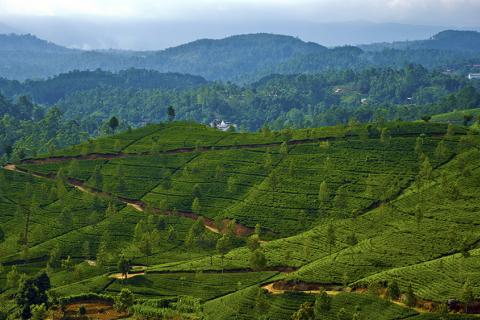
(206, 18)
(438, 12)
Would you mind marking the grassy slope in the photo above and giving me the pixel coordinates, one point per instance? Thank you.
(392, 244)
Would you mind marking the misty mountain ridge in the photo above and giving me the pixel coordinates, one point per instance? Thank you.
(448, 40)
(240, 58)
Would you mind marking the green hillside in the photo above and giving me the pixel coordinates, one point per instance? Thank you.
(465, 117)
(382, 216)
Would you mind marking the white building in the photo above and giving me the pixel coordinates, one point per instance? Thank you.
(473, 76)
(222, 125)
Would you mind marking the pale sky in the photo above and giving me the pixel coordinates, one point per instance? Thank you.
(437, 12)
(157, 24)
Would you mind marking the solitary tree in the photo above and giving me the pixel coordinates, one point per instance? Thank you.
(385, 139)
(426, 118)
(385, 136)
(261, 302)
(441, 151)
(323, 304)
(196, 192)
(274, 182)
(467, 295)
(73, 168)
(195, 233)
(145, 246)
(284, 148)
(124, 300)
(231, 185)
(196, 205)
(305, 312)
(467, 118)
(171, 113)
(450, 132)
(171, 234)
(86, 250)
(97, 178)
(258, 260)
(219, 172)
(425, 173)
(342, 314)
(340, 199)
(268, 162)
(113, 123)
(330, 237)
(393, 291)
(410, 299)
(12, 277)
(258, 229)
(253, 242)
(323, 193)
(123, 266)
(102, 256)
(419, 209)
(223, 246)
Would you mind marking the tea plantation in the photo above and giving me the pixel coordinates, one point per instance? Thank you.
(181, 221)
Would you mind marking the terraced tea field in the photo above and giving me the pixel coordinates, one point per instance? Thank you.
(344, 207)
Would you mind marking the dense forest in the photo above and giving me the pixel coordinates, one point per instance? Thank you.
(284, 100)
(51, 90)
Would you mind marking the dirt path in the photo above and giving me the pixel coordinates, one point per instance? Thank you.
(281, 287)
(240, 230)
(120, 276)
(109, 156)
(271, 288)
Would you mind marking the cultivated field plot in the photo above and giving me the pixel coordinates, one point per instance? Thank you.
(110, 144)
(201, 285)
(176, 136)
(349, 168)
(244, 305)
(218, 179)
(338, 207)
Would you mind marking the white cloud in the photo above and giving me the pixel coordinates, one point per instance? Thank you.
(444, 12)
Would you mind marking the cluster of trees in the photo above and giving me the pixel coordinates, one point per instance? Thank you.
(27, 129)
(35, 300)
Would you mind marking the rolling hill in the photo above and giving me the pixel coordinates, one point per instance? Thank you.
(241, 58)
(251, 224)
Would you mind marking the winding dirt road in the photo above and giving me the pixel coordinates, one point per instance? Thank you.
(240, 230)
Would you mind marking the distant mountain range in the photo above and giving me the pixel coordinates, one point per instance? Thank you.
(241, 58)
(141, 34)
(448, 40)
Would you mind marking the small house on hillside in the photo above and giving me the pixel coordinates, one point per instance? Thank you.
(222, 125)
